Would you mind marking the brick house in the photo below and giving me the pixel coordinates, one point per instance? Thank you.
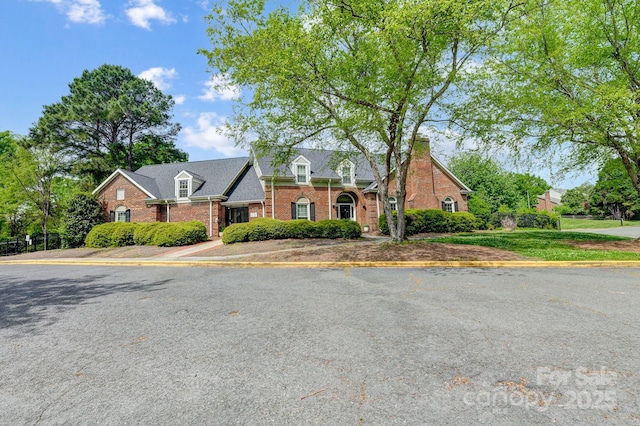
(315, 185)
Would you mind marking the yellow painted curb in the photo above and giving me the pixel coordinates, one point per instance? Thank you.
(392, 264)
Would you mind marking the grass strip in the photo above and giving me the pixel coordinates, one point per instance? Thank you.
(545, 245)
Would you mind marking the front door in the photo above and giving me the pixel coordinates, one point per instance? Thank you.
(237, 215)
(344, 211)
(346, 207)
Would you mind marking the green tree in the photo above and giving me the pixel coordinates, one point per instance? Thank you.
(83, 213)
(564, 82)
(359, 75)
(529, 187)
(106, 113)
(488, 180)
(614, 193)
(576, 200)
(13, 210)
(149, 150)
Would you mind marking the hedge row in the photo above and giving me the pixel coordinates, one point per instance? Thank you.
(539, 219)
(273, 229)
(421, 221)
(162, 234)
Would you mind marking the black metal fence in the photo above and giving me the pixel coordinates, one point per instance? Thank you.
(20, 245)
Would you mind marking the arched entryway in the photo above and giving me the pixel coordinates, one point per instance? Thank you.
(346, 206)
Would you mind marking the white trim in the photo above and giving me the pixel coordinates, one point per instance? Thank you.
(329, 196)
(301, 161)
(352, 205)
(464, 188)
(113, 175)
(352, 172)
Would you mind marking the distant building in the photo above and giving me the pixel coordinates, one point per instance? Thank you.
(549, 200)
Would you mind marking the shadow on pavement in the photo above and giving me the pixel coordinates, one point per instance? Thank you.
(31, 304)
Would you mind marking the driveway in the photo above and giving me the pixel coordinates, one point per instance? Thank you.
(202, 346)
(623, 231)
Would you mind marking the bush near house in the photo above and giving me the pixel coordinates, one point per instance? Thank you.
(422, 221)
(274, 229)
(119, 234)
(530, 219)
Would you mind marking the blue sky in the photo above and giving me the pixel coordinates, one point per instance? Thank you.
(45, 44)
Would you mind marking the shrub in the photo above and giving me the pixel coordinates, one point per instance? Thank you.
(180, 234)
(100, 235)
(529, 219)
(273, 229)
(122, 234)
(301, 228)
(82, 214)
(481, 210)
(350, 229)
(145, 233)
(330, 229)
(118, 234)
(431, 220)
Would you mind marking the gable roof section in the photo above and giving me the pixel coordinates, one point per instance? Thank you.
(144, 183)
(246, 188)
(321, 161)
(463, 188)
(218, 175)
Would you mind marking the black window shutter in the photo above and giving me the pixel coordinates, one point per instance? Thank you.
(443, 207)
(293, 211)
(245, 214)
(455, 206)
(312, 212)
(127, 216)
(112, 216)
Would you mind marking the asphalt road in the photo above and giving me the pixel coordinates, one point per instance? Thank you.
(114, 345)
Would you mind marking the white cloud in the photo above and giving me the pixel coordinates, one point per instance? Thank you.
(179, 99)
(142, 12)
(80, 11)
(209, 135)
(159, 76)
(219, 88)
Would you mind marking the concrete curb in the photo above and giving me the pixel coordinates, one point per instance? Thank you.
(339, 265)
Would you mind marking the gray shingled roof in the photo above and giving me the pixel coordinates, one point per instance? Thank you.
(146, 182)
(217, 175)
(246, 188)
(322, 164)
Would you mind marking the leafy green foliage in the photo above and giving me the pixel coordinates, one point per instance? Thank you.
(528, 219)
(488, 179)
(480, 209)
(424, 221)
(367, 75)
(118, 234)
(576, 201)
(563, 84)
(273, 229)
(106, 113)
(614, 193)
(82, 214)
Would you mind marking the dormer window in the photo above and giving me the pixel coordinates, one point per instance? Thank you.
(186, 184)
(301, 170)
(347, 173)
(183, 188)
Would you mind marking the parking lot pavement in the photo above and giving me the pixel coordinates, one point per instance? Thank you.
(116, 345)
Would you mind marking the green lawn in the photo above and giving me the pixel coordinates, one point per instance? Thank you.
(545, 245)
(594, 224)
